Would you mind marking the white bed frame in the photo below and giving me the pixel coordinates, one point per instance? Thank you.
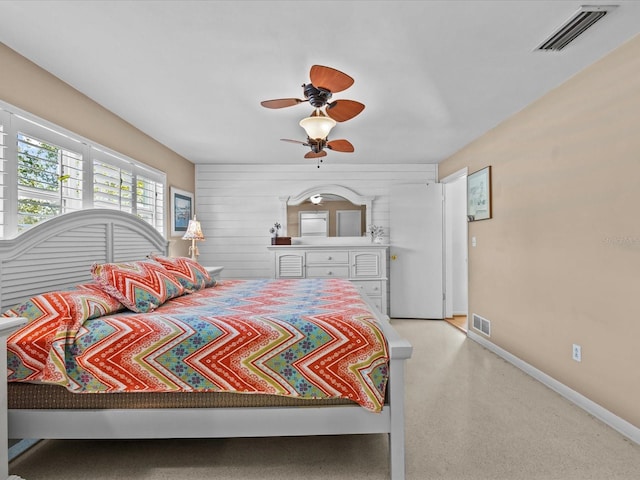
(58, 254)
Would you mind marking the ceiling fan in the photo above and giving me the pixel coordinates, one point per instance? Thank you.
(325, 81)
(318, 147)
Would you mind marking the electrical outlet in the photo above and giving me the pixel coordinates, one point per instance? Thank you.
(577, 352)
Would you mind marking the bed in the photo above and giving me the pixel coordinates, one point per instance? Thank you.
(58, 255)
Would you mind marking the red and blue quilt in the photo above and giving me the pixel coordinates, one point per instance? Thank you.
(310, 338)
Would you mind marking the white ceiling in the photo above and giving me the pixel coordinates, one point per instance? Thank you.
(434, 75)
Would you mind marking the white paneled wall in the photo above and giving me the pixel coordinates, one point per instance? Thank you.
(237, 204)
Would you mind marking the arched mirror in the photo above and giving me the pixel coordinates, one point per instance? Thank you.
(326, 211)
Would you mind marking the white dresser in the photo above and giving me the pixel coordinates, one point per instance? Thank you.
(365, 265)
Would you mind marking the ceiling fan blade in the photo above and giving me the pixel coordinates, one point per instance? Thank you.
(281, 102)
(341, 145)
(343, 110)
(321, 153)
(294, 141)
(329, 79)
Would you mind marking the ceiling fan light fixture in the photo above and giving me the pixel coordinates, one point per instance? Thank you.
(318, 125)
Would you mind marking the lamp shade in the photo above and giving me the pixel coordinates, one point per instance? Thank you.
(194, 231)
(317, 126)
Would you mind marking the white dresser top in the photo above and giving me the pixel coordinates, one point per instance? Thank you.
(334, 246)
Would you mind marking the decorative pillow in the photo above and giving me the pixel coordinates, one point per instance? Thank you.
(191, 275)
(89, 301)
(140, 286)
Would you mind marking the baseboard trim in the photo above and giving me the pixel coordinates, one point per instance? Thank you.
(21, 446)
(618, 424)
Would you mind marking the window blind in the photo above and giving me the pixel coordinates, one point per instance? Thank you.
(46, 170)
(49, 180)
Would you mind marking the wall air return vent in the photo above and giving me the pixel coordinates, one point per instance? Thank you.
(481, 324)
(584, 18)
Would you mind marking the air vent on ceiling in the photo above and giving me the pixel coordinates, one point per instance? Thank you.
(584, 18)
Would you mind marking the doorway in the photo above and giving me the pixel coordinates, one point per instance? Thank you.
(456, 250)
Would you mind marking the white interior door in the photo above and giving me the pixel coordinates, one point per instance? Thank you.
(417, 254)
(348, 223)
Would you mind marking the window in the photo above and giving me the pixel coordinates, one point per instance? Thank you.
(49, 180)
(149, 199)
(3, 171)
(113, 187)
(56, 172)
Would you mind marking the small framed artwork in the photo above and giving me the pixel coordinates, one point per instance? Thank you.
(479, 195)
(181, 211)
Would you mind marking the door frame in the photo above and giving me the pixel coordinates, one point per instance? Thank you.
(448, 255)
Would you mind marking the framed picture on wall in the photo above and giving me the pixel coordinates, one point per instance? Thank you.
(479, 195)
(182, 209)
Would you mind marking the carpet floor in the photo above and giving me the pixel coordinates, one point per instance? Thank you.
(469, 415)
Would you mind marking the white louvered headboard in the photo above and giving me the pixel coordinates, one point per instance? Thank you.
(59, 252)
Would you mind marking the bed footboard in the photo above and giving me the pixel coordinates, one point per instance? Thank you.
(399, 351)
(233, 422)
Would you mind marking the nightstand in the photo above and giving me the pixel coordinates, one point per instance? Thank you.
(215, 272)
(7, 327)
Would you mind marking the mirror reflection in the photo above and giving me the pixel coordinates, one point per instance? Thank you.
(326, 215)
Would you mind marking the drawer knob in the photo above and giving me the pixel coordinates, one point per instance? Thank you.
(329, 257)
(329, 272)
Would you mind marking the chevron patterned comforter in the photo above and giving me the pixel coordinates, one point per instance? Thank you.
(310, 338)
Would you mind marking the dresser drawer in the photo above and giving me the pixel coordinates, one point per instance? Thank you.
(328, 271)
(377, 302)
(371, 287)
(328, 256)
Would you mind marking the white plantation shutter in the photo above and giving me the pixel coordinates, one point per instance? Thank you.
(112, 186)
(49, 180)
(121, 184)
(46, 171)
(4, 122)
(149, 199)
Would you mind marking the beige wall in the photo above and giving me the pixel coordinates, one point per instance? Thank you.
(559, 263)
(36, 91)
